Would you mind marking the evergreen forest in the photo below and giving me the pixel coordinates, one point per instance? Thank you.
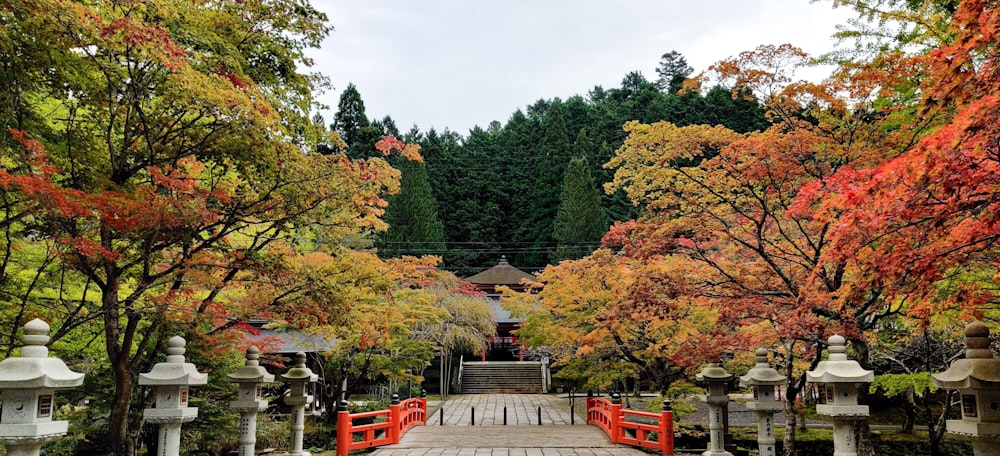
(509, 189)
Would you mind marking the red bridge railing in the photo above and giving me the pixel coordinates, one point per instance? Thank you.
(632, 427)
(400, 417)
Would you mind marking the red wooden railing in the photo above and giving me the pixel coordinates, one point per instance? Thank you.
(400, 417)
(621, 428)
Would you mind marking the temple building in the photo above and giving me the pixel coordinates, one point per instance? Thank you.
(504, 346)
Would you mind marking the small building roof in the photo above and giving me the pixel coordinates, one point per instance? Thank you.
(289, 340)
(501, 274)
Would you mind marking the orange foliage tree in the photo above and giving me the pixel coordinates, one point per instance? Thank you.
(594, 314)
(925, 221)
(726, 206)
(163, 150)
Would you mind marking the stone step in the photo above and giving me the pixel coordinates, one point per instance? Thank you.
(501, 377)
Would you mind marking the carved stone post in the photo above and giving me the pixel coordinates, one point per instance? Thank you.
(717, 399)
(977, 379)
(762, 379)
(298, 396)
(248, 401)
(171, 379)
(839, 379)
(27, 388)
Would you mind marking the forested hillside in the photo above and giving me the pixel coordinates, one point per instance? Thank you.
(497, 190)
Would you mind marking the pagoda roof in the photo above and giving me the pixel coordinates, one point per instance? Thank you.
(501, 274)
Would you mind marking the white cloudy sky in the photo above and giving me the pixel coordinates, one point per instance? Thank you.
(461, 63)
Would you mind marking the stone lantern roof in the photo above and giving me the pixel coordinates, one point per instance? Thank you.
(978, 370)
(251, 371)
(762, 373)
(174, 371)
(299, 372)
(34, 368)
(713, 372)
(839, 369)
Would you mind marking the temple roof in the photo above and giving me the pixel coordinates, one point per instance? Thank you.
(501, 274)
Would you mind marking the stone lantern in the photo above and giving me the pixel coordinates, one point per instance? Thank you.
(171, 379)
(300, 379)
(762, 379)
(977, 379)
(839, 379)
(718, 400)
(248, 401)
(27, 388)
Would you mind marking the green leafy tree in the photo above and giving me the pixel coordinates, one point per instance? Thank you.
(158, 166)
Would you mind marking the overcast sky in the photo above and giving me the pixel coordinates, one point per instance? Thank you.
(461, 63)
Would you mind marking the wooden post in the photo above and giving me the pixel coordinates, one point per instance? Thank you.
(666, 431)
(423, 406)
(616, 414)
(394, 419)
(343, 429)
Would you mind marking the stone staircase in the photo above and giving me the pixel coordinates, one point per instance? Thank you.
(524, 377)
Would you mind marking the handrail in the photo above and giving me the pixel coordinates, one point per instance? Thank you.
(401, 417)
(614, 421)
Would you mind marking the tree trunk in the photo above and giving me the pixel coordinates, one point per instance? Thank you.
(909, 411)
(862, 435)
(791, 393)
(118, 426)
(121, 439)
(936, 425)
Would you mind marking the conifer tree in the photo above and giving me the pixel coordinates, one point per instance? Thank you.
(580, 221)
(350, 117)
(549, 167)
(414, 226)
(353, 126)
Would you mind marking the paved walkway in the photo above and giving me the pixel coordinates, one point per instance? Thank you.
(521, 409)
(521, 437)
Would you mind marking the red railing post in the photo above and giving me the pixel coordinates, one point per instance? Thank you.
(343, 429)
(616, 416)
(423, 406)
(394, 419)
(666, 431)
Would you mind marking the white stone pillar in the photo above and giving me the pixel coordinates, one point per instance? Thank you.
(977, 379)
(248, 401)
(840, 379)
(298, 396)
(717, 399)
(171, 379)
(762, 379)
(27, 388)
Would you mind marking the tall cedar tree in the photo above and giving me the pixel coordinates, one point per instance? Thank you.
(350, 117)
(550, 161)
(580, 221)
(352, 124)
(414, 227)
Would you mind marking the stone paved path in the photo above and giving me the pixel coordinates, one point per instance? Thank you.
(521, 437)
